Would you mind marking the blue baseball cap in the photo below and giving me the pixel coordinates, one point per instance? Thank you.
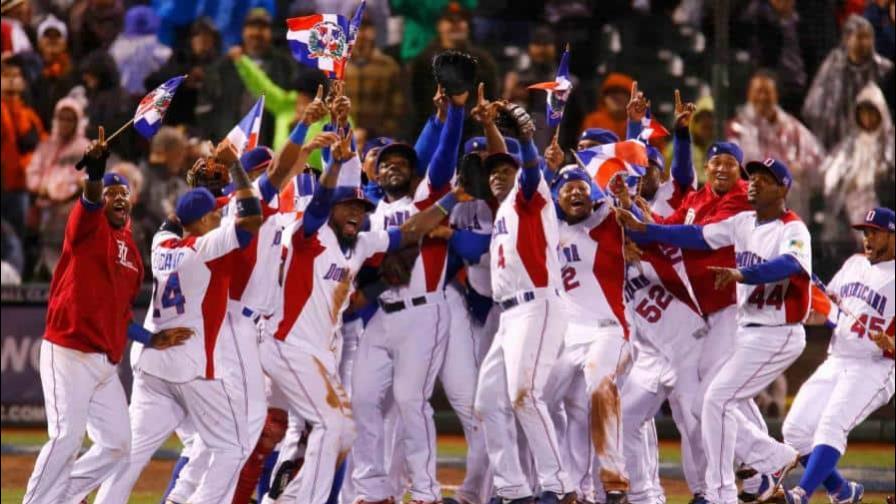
(194, 205)
(344, 194)
(497, 158)
(569, 175)
(114, 179)
(257, 158)
(477, 144)
(730, 148)
(878, 218)
(474, 144)
(401, 149)
(777, 168)
(599, 135)
(655, 156)
(376, 143)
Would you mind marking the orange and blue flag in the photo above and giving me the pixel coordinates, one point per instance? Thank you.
(558, 91)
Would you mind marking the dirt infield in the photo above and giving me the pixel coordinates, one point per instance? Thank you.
(17, 469)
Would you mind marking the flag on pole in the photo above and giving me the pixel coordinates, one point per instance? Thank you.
(320, 41)
(152, 108)
(630, 151)
(558, 91)
(651, 129)
(354, 25)
(244, 136)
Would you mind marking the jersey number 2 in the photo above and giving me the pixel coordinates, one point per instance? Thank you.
(171, 295)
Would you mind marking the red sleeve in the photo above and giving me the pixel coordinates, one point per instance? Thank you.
(83, 221)
(676, 218)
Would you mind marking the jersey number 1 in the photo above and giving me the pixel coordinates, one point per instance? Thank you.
(171, 295)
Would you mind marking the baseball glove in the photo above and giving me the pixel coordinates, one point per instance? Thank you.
(473, 176)
(520, 118)
(208, 173)
(455, 71)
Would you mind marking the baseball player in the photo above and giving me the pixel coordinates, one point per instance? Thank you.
(596, 353)
(858, 375)
(85, 339)
(525, 275)
(773, 252)
(403, 344)
(667, 325)
(191, 280)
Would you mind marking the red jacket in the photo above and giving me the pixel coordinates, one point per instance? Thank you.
(707, 207)
(94, 285)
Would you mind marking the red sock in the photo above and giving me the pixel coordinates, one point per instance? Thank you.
(272, 433)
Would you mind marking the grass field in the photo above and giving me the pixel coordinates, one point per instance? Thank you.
(17, 468)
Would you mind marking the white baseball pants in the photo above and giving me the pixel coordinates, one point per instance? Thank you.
(310, 382)
(401, 352)
(760, 355)
(839, 395)
(511, 383)
(157, 408)
(82, 393)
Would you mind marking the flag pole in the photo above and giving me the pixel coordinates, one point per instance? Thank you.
(119, 130)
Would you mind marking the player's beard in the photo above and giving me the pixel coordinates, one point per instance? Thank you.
(346, 242)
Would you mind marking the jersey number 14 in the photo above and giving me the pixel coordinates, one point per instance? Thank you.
(172, 297)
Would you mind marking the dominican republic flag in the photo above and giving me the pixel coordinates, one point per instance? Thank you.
(152, 108)
(354, 25)
(320, 41)
(604, 162)
(651, 129)
(245, 134)
(558, 91)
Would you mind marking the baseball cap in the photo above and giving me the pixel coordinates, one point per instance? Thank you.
(599, 135)
(140, 20)
(52, 22)
(194, 205)
(378, 142)
(454, 11)
(258, 15)
(655, 156)
(400, 148)
(777, 168)
(878, 218)
(114, 179)
(477, 144)
(345, 194)
(257, 158)
(493, 160)
(474, 144)
(730, 148)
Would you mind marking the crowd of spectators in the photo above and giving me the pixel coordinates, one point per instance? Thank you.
(815, 78)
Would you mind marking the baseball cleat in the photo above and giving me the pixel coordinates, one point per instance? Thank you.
(521, 500)
(850, 493)
(617, 497)
(776, 479)
(698, 498)
(796, 496)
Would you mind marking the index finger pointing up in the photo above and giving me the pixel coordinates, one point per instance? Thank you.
(634, 89)
(481, 92)
(102, 135)
(677, 100)
(320, 92)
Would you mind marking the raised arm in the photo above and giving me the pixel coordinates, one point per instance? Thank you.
(444, 161)
(682, 165)
(248, 207)
(636, 110)
(94, 161)
(291, 158)
(318, 210)
(429, 137)
(485, 112)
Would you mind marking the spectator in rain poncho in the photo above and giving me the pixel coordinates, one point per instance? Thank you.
(858, 166)
(53, 181)
(831, 101)
(137, 51)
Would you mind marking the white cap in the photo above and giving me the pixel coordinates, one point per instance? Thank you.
(51, 22)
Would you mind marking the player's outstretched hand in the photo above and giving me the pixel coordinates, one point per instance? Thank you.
(168, 338)
(226, 153)
(441, 233)
(628, 220)
(725, 276)
(631, 252)
(440, 102)
(883, 341)
(342, 149)
(97, 148)
(323, 139)
(317, 109)
(553, 155)
(637, 104)
(485, 111)
(683, 111)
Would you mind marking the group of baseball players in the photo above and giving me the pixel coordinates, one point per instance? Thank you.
(298, 324)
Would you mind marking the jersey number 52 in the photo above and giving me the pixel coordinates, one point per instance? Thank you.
(653, 311)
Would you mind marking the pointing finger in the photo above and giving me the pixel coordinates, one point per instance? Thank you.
(481, 92)
(677, 100)
(320, 92)
(102, 135)
(634, 89)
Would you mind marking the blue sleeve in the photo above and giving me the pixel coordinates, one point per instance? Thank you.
(531, 172)
(682, 165)
(394, 239)
(775, 270)
(633, 129)
(268, 191)
(427, 143)
(469, 245)
(136, 332)
(90, 206)
(318, 210)
(444, 160)
(297, 135)
(681, 236)
(244, 237)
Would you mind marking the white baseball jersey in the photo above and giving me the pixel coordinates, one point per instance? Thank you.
(428, 273)
(191, 277)
(315, 282)
(593, 268)
(868, 292)
(773, 304)
(523, 250)
(476, 216)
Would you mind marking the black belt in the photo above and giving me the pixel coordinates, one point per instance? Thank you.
(397, 306)
(514, 301)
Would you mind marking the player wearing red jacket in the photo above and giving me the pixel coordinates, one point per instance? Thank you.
(97, 278)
